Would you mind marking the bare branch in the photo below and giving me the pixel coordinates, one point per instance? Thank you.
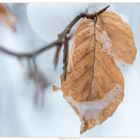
(58, 42)
(65, 57)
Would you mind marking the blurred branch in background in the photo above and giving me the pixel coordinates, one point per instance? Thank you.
(62, 41)
(39, 79)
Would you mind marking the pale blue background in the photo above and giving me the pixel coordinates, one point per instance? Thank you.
(36, 26)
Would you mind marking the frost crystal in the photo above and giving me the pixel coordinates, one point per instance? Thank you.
(106, 43)
(92, 110)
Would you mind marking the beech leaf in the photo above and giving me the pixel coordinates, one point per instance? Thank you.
(94, 84)
(120, 35)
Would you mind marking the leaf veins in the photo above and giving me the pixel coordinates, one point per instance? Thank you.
(94, 84)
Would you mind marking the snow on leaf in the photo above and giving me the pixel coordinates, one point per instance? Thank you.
(95, 112)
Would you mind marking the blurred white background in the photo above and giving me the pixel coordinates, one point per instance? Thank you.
(37, 25)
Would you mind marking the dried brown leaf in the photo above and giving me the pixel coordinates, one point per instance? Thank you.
(39, 78)
(94, 84)
(7, 18)
(121, 37)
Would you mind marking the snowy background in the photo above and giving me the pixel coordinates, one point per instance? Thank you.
(37, 25)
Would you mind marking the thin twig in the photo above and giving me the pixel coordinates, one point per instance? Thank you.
(58, 42)
(65, 57)
(56, 57)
